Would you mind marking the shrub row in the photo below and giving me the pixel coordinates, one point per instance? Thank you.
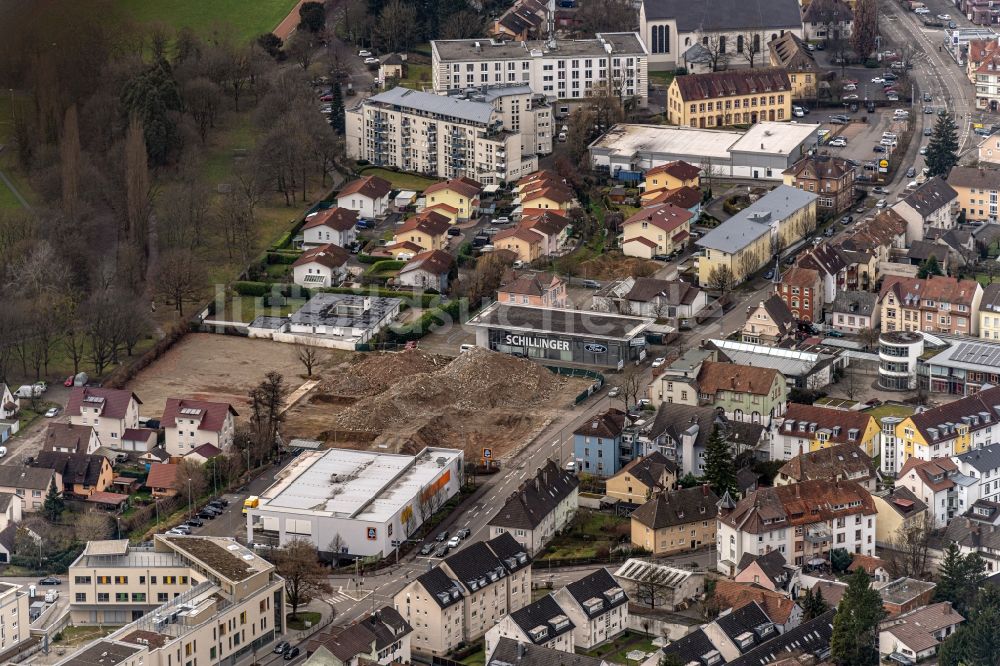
(386, 265)
(125, 373)
(439, 316)
(282, 257)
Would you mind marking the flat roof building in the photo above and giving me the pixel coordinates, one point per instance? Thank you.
(366, 498)
(562, 335)
(762, 152)
(340, 321)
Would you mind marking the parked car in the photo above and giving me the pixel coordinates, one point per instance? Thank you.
(658, 361)
(769, 275)
(613, 392)
(454, 542)
(454, 231)
(878, 189)
(442, 551)
(291, 653)
(207, 515)
(911, 172)
(194, 522)
(371, 61)
(881, 203)
(364, 53)
(829, 232)
(850, 218)
(463, 533)
(928, 131)
(442, 536)
(50, 580)
(427, 549)
(51, 412)
(220, 500)
(879, 149)
(591, 284)
(281, 647)
(503, 219)
(834, 334)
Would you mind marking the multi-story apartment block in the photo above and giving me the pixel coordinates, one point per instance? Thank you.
(382, 638)
(465, 595)
(597, 443)
(855, 311)
(543, 623)
(561, 69)
(209, 599)
(966, 424)
(987, 80)
(187, 424)
(597, 606)
(801, 289)
(978, 531)
(733, 97)
(14, 620)
(937, 304)
(989, 312)
(450, 136)
(940, 485)
(930, 206)
(807, 428)
(676, 521)
(984, 466)
(539, 508)
(830, 178)
(745, 393)
(898, 509)
(801, 520)
(109, 411)
(977, 189)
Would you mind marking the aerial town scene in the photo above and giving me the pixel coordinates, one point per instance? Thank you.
(500, 332)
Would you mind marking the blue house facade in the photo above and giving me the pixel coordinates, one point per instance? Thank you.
(597, 444)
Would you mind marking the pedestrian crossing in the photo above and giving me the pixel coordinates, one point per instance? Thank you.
(342, 596)
(338, 598)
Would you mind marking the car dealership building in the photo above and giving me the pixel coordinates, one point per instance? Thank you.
(558, 335)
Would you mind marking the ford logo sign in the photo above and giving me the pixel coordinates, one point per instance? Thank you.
(595, 348)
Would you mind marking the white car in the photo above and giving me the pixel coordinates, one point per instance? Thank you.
(613, 392)
(371, 61)
(658, 361)
(364, 54)
(52, 412)
(839, 142)
(454, 542)
(923, 150)
(850, 86)
(921, 10)
(878, 79)
(944, 17)
(3, 451)
(881, 203)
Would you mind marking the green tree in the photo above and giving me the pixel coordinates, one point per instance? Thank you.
(689, 480)
(312, 16)
(929, 267)
(977, 642)
(337, 120)
(959, 577)
(942, 150)
(54, 504)
(840, 559)
(814, 605)
(855, 626)
(720, 472)
(153, 97)
(271, 44)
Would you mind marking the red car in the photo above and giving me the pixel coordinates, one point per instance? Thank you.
(69, 381)
(326, 98)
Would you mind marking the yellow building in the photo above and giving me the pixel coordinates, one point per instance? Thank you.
(808, 428)
(978, 191)
(457, 199)
(642, 478)
(672, 522)
(428, 229)
(734, 97)
(670, 176)
(527, 244)
(657, 230)
(948, 430)
(743, 245)
(989, 312)
(790, 53)
(897, 509)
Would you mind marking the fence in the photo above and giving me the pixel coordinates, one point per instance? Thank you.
(580, 372)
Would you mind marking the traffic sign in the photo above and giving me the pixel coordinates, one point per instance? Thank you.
(372, 534)
(884, 164)
(487, 453)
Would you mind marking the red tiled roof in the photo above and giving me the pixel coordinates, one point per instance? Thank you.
(115, 401)
(682, 197)
(206, 451)
(679, 169)
(641, 239)
(927, 470)
(825, 417)
(443, 206)
(340, 219)
(867, 562)
(732, 83)
(212, 414)
(527, 235)
(372, 187)
(737, 595)
(138, 434)
(162, 475)
(798, 504)
(329, 255)
(938, 288)
(104, 497)
(463, 186)
(429, 222)
(403, 245)
(435, 262)
(800, 276)
(667, 217)
(557, 193)
(679, 236)
(715, 377)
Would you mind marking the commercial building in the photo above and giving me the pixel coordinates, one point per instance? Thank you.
(451, 136)
(733, 97)
(744, 244)
(555, 335)
(762, 152)
(801, 369)
(369, 500)
(539, 508)
(671, 27)
(804, 521)
(208, 598)
(676, 521)
(466, 594)
(559, 69)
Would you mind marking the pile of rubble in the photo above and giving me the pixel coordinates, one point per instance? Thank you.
(375, 373)
(477, 380)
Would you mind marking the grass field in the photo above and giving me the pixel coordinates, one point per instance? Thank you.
(7, 198)
(889, 409)
(245, 19)
(417, 76)
(402, 181)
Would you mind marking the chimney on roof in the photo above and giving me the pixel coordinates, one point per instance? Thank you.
(797, 493)
(704, 490)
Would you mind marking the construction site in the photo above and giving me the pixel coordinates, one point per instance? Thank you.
(405, 401)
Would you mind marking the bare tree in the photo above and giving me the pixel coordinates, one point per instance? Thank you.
(864, 32)
(182, 276)
(909, 546)
(721, 279)
(394, 27)
(304, 576)
(191, 481)
(307, 355)
(718, 48)
(748, 45)
(203, 102)
(868, 337)
(93, 526)
(606, 16)
(631, 384)
(69, 151)
(138, 194)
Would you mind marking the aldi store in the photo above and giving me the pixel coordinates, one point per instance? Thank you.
(556, 335)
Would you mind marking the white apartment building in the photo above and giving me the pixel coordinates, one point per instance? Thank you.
(14, 621)
(232, 603)
(187, 424)
(984, 466)
(561, 69)
(465, 595)
(494, 138)
(597, 606)
(542, 623)
(802, 521)
(109, 411)
(539, 508)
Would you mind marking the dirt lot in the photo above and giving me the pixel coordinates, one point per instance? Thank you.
(407, 400)
(219, 367)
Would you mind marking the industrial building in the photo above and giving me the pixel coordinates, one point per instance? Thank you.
(361, 502)
(559, 335)
(762, 152)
